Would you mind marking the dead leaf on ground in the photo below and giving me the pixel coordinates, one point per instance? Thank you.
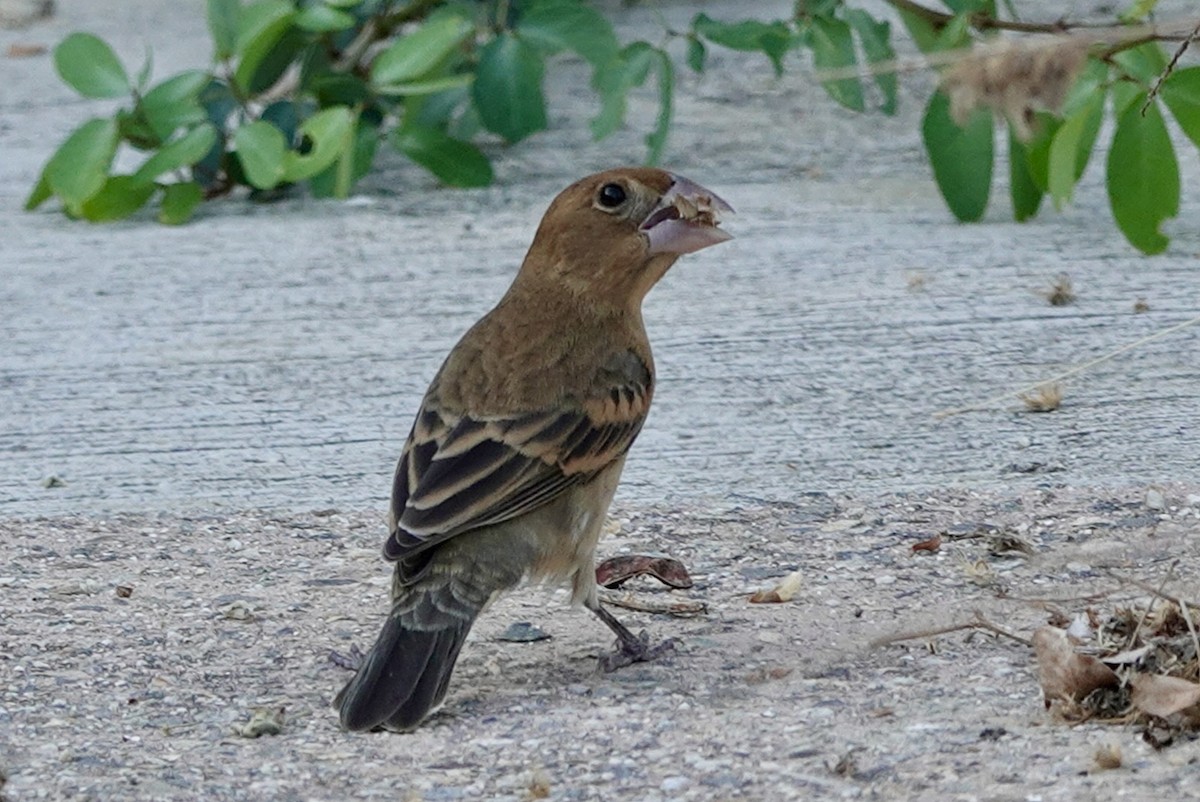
(1045, 398)
(24, 50)
(1064, 673)
(1165, 696)
(931, 544)
(1108, 757)
(760, 675)
(616, 571)
(785, 591)
(263, 721)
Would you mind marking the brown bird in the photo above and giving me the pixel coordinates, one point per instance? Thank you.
(520, 440)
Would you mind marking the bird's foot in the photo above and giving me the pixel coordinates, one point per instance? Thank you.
(351, 661)
(635, 649)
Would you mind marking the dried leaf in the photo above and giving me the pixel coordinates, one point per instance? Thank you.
(785, 591)
(1064, 673)
(124, 591)
(1108, 757)
(1046, 398)
(616, 571)
(1165, 696)
(263, 721)
(931, 545)
(1015, 79)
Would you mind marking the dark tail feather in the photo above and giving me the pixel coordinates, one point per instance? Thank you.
(403, 677)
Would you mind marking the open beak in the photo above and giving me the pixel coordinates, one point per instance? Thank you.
(686, 219)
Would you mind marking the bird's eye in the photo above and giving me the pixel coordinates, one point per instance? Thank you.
(612, 196)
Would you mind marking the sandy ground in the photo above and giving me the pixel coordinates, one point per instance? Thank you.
(222, 404)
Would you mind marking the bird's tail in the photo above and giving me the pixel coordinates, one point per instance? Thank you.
(407, 672)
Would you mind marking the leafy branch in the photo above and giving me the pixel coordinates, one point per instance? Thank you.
(303, 92)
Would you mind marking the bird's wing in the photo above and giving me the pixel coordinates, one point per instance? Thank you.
(459, 472)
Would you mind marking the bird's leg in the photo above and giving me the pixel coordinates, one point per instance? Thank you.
(350, 662)
(630, 648)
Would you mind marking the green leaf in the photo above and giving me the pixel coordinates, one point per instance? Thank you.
(972, 6)
(323, 19)
(956, 34)
(330, 133)
(337, 180)
(121, 196)
(261, 149)
(1025, 193)
(144, 73)
(79, 168)
(183, 152)
(1070, 150)
(696, 54)
(90, 67)
(261, 26)
(1181, 91)
(223, 25)
(427, 87)
(875, 37)
(41, 193)
(1092, 80)
(1038, 148)
(1138, 11)
(421, 52)
(179, 202)
(772, 39)
(508, 88)
(174, 103)
(457, 163)
(833, 49)
(961, 157)
(571, 26)
(923, 32)
(1143, 177)
(656, 140)
(613, 84)
(1143, 63)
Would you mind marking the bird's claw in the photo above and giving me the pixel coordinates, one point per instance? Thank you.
(351, 661)
(634, 650)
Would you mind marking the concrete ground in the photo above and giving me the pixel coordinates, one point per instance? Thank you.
(202, 393)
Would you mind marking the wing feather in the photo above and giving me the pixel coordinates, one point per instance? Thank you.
(459, 473)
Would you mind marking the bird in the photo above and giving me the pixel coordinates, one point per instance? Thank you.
(519, 442)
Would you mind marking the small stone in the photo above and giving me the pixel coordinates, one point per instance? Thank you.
(673, 785)
(523, 632)
(1155, 500)
(885, 579)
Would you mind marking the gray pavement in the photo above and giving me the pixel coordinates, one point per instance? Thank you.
(272, 355)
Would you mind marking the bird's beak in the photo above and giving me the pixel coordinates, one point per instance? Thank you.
(686, 219)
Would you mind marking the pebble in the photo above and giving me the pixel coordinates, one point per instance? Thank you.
(673, 785)
(1155, 500)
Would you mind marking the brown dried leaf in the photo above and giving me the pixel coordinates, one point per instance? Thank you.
(24, 50)
(1064, 673)
(1015, 79)
(1045, 398)
(1108, 757)
(1165, 696)
(785, 591)
(616, 571)
(931, 545)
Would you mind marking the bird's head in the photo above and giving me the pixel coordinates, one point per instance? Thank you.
(617, 232)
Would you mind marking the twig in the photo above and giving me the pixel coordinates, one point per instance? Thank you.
(678, 608)
(1166, 73)
(978, 622)
(1158, 594)
(1185, 611)
(980, 405)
